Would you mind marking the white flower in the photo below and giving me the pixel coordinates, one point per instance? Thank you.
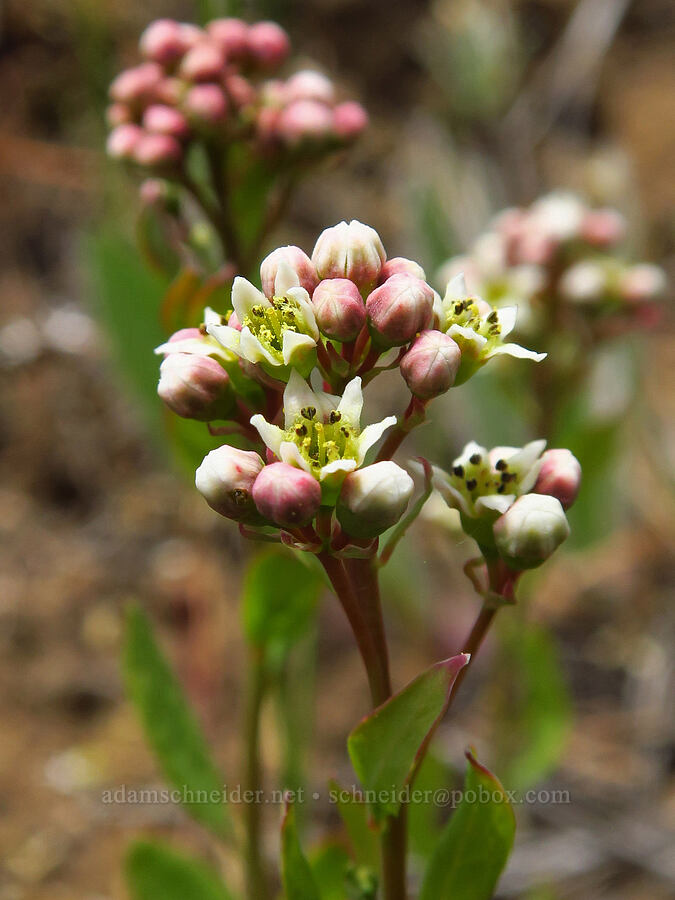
(558, 215)
(532, 529)
(198, 344)
(279, 332)
(374, 498)
(322, 433)
(478, 329)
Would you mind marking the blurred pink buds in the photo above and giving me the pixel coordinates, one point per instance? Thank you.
(430, 366)
(584, 282)
(309, 85)
(349, 120)
(195, 387)
(339, 309)
(350, 250)
(163, 41)
(123, 140)
(165, 120)
(203, 62)
(137, 84)
(231, 35)
(225, 479)
(401, 266)
(642, 283)
(268, 44)
(399, 309)
(603, 227)
(157, 150)
(373, 499)
(118, 114)
(530, 530)
(205, 103)
(559, 476)
(297, 259)
(286, 495)
(304, 120)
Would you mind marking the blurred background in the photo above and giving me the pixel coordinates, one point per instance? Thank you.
(475, 105)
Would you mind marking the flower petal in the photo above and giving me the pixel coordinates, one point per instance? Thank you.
(245, 296)
(469, 450)
(211, 317)
(467, 334)
(297, 394)
(194, 346)
(456, 288)
(272, 435)
(515, 350)
(351, 403)
(495, 502)
(251, 348)
(452, 497)
(507, 319)
(290, 453)
(371, 435)
(286, 279)
(295, 347)
(301, 297)
(228, 337)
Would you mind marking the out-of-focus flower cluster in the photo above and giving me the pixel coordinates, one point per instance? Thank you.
(213, 85)
(286, 368)
(562, 262)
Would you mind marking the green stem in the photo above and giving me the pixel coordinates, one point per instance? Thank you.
(256, 883)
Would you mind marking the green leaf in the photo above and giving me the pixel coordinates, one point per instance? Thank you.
(534, 708)
(170, 725)
(279, 599)
(354, 814)
(154, 870)
(330, 865)
(296, 873)
(472, 851)
(424, 813)
(388, 745)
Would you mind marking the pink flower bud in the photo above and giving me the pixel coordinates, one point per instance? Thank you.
(430, 366)
(268, 44)
(137, 84)
(401, 266)
(267, 124)
(165, 120)
(169, 91)
(184, 334)
(157, 150)
(399, 309)
(352, 251)
(118, 114)
(231, 35)
(297, 259)
(239, 89)
(603, 227)
(234, 322)
(205, 103)
(535, 247)
(642, 283)
(305, 120)
(339, 309)
(195, 387)
(309, 85)
(225, 479)
(153, 191)
(162, 41)
(559, 476)
(530, 531)
(204, 62)
(349, 120)
(123, 141)
(287, 496)
(373, 499)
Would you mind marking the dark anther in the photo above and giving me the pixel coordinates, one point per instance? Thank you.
(458, 471)
(344, 431)
(471, 484)
(308, 412)
(501, 488)
(257, 311)
(508, 476)
(493, 317)
(240, 496)
(501, 464)
(334, 417)
(301, 430)
(475, 459)
(202, 329)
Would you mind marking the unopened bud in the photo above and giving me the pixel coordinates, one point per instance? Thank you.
(162, 41)
(239, 90)
(309, 85)
(157, 150)
(584, 282)
(559, 476)
(225, 479)
(137, 84)
(430, 366)
(401, 266)
(118, 114)
(399, 309)
(297, 259)
(195, 387)
(204, 62)
(642, 283)
(349, 120)
(350, 250)
(268, 44)
(373, 499)
(165, 120)
(154, 191)
(339, 309)
(531, 530)
(305, 120)
(231, 35)
(287, 496)
(123, 141)
(603, 227)
(205, 103)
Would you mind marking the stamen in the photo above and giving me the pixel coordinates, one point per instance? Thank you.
(476, 459)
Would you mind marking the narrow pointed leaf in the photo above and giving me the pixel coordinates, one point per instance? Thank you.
(296, 873)
(472, 851)
(154, 870)
(387, 747)
(330, 865)
(170, 725)
(355, 815)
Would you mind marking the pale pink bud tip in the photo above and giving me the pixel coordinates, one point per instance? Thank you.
(349, 120)
(206, 103)
(339, 309)
(287, 496)
(157, 150)
(165, 120)
(297, 259)
(137, 84)
(350, 250)
(399, 265)
(162, 41)
(231, 35)
(531, 530)
(123, 141)
(118, 114)
(195, 387)
(225, 479)
(430, 366)
(305, 120)
(603, 227)
(268, 44)
(373, 499)
(559, 476)
(400, 308)
(153, 191)
(308, 85)
(642, 283)
(204, 62)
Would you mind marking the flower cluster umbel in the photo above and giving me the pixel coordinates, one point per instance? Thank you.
(286, 368)
(212, 85)
(562, 262)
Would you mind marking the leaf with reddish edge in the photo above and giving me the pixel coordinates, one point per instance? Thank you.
(388, 746)
(296, 873)
(472, 851)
